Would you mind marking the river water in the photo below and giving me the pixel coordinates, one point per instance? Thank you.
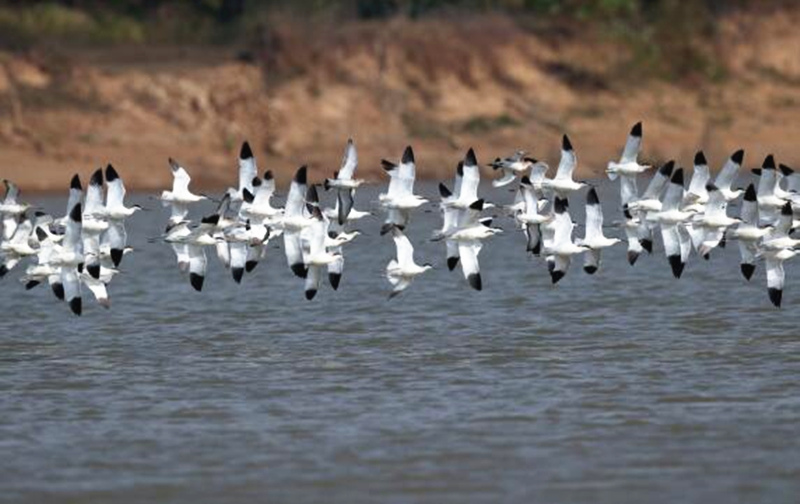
(626, 386)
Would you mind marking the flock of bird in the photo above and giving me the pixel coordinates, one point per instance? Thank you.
(86, 246)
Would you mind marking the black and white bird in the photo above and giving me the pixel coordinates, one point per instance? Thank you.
(776, 248)
(295, 221)
(628, 164)
(345, 183)
(748, 233)
(563, 183)
(511, 167)
(94, 223)
(672, 218)
(116, 212)
(727, 176)
(403, 270)
(560, 246)
(594, 239)
(180, 197)
(529, 216)
(400, 199)
(714, 220)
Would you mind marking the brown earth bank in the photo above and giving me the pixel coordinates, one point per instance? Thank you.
(441, 85)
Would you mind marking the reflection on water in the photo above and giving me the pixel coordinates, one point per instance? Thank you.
(622, 387)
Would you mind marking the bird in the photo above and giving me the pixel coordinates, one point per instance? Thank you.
(400, 199)
(70, 260)
(560, 247)
(511, 167)
(344, 182)
(116, 212)
(727, 176)
(403, 270)
(317, 254)
(628, 164)
(530, 217)
(769, 204)
(180, 197)
(195, 241)
(94, 223)
(594, 240)
(563, 184)
(776, 248)
(450, 215)
(294, 221)
(468, 234)
(672, 218)
(748, 233)
(714, 220)
(247, 172)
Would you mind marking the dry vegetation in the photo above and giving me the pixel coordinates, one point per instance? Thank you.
(441, 84)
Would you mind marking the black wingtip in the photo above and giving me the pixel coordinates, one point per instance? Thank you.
(747, 270)
(97, 178)
(460, 169)
(408, 155)
(111, 174)
(334, 279)
(756, 172)
(75, 183)
(786, 209)
(666, 170)
(676, 265)
(310, 293)
(591, 197)
(268, 175)
(246, 152)
(560, 205)
(299, 270)
(470, 159)
(591, 270)
(711, 187)
(476, 205)
(700, 159)
(452, 262)
(474, 281)
(769, 163)
(301, 176)
(93, 270)
(196, 281)
(41, 235)
(636, 131)
(785, 170)
(116, 256)
(3, 270)
(632, 257)
(250, 266)
(256, 182)
(30, 284)
(738, 156)
(556, 275)
(566, 144)
(677, 177)
(58, 290)
(76, 305)
(525, 180)
(444, 192)
(237, 274)
(750, 193)
(647, 245)
(211, 219)
(387, 165)
(775, 295)
(247, 196)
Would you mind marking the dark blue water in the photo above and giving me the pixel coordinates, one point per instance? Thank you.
(628, 386)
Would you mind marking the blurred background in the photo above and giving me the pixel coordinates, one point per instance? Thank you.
(87, 82)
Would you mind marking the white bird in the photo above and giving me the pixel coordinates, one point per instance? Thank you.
(727, 176)
(450, 216)
(116, 212)
(468, 235)
(18, 247)
(769, 204)
(400, 199)
(563, 184)
(511, 167)
(11, 209)
(530, 216)
(561, 247)
(748, 232)
(777, 248)
(94, 223)
(638, 227)
(180, 197)
(677, 243)
(70, 258)
(247, 172)
(696, 195)
(195, 241)
(714, 220)
(294, 221)
(317, 255)
(628, 164)
(344, 182)
(402, 271)
(594, 239)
